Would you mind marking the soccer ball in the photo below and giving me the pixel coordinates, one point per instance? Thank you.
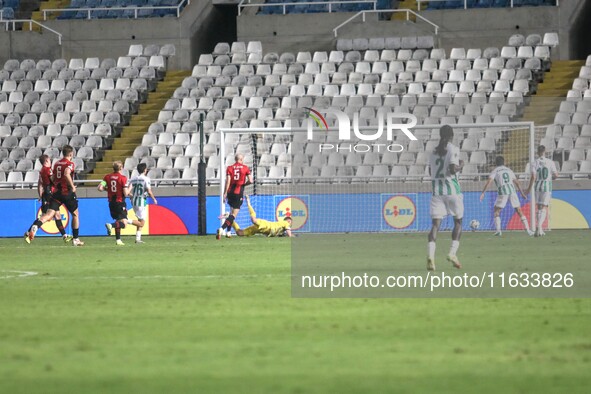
(474, 224)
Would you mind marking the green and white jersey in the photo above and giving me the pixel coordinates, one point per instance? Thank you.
(503, 177)
(543, 168)
(445, 183)
(139, 190)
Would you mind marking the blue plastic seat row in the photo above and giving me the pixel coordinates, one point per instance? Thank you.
(452, 4)
(313, 8)
(118, 13)
(121, 3)
(115, 14)
(14, 4)
(308, 9)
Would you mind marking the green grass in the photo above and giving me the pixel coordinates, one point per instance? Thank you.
(189, 314)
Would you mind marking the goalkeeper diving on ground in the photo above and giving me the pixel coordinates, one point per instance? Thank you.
(260, 226)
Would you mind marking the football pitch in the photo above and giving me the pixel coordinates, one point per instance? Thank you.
(192, 314)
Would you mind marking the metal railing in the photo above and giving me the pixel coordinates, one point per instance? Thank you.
(135, 10)
(12, 23)
(300, 179)
(419, 2)
(244, 4)
(406, 11)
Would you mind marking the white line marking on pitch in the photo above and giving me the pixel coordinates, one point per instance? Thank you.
(19, 274)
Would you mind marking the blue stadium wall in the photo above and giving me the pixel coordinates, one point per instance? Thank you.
(311, 213)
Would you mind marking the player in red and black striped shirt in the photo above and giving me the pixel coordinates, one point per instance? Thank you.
(65, 190)
(115, 184)
(45, 189)
(237, 177)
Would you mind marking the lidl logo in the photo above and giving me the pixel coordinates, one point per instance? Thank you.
(49, 227)
(399, 212)
(295, 208)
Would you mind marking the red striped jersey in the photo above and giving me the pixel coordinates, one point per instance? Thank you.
(59, 169)
(116, 182)
(238, 173)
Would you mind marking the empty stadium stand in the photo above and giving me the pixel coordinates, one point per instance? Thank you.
(18, 9)
(84, 9)
(82, 102)
(570, 134)
(292, 6)
(106, 9)
(239, 85)
(453, 4)
(273, 7)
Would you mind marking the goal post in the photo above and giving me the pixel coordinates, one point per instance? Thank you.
(371, 185)
(268, 189)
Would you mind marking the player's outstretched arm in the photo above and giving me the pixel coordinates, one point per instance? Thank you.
(518, 187)
(251, 211)
(486, 185)
(152, 196)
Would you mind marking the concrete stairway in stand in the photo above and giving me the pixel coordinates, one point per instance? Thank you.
(542, 108)
(131, 136)
(46, 5)
(410, 5)
(552, 91)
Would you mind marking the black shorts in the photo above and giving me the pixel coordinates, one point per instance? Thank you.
(235, 200)
(69, 200)
(45, 203)
(45, 206)
(118, 210)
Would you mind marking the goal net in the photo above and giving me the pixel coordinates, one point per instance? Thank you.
(332, 181)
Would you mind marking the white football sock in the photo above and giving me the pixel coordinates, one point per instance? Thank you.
(498, 224)
(138, 235)
(431, 250)
(541, 218)
(454, 248)
(525, 223)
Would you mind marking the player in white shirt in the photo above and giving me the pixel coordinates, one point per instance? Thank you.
(543, 172)
(507, 186)
(140, 190)
(447, 198)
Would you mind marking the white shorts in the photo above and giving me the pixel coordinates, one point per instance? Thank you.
(140, 212)
(502, 200)
(543, 198)
(453, 205)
